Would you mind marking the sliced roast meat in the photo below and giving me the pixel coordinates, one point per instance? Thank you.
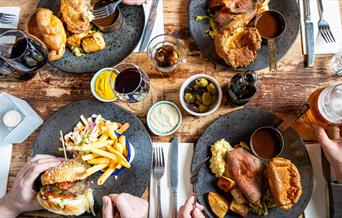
(247, 171)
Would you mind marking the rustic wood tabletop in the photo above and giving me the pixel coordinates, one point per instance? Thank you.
(51, 89)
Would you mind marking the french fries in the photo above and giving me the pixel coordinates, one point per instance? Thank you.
(106, 174)
(100, 143)
(96, 168)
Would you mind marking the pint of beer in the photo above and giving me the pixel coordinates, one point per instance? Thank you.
(326, 106)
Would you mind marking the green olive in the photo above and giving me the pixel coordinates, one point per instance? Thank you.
(213, 99)
(195, 87)
(189, 98)
(198, 97)
(212, 88)
(206, 98)
(202, 82)
(202, 108)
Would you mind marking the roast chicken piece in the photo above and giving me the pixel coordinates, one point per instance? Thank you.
(52, 32)
(93, 42)
(238, 48)
(74, 14)
(247, 171)
(76, 39)
(284, 181)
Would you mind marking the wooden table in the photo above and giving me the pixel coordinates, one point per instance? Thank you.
(51, 89)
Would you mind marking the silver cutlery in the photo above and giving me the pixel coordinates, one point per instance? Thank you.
(194, 178)
(309, 34)
(105, 11)
(149, 26)
(7, 18)
(158, 172)
(323, 25)
(174, 173)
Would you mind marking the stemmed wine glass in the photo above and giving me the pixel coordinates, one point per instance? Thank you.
(21, 52)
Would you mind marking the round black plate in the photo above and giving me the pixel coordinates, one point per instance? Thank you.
(119, 44)
(288, 8)
(238, 126)
(133, 180)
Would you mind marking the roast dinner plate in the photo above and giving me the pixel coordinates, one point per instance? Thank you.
(118, 45)
(288, 8)
(133, 180)
(238, 126)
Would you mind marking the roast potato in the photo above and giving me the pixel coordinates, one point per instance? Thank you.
(218, 204)
(225, 184)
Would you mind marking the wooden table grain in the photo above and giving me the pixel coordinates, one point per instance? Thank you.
(51, 89)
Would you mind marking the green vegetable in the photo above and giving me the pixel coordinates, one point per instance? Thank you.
(77, 51)
(212, 88)
(202, 82)
(199, 18)
(202, 108)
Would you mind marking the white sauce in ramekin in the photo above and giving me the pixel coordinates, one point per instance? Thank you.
(164, 118)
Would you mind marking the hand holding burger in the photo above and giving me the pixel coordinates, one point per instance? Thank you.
(22, 197)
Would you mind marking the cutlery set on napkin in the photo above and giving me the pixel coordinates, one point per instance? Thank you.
(321, 30)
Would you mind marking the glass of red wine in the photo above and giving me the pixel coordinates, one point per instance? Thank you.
(131, 83)
(21, 55)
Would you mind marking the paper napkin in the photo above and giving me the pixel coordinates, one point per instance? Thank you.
(185, 152)
(5, 157)
(333, 16)
(14, 25)
(158, 25)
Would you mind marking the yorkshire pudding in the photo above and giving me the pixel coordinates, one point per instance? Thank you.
(238, 47)
(284, 181)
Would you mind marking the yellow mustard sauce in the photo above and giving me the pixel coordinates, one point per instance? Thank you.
(102, 85)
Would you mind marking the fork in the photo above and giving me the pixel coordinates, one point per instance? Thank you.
(158, 172)
(323, 26)
(106, 10)
(7, 18)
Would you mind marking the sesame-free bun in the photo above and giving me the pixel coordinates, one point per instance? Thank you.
(68, 171)
(68, 207)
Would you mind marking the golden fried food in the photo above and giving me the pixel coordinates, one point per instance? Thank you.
(94, 42)
(238, 47)
(74, 14)
(52, 32)
(218, 204)
(284, 181)
(76, 39)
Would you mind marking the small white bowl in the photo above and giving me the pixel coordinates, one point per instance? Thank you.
(92, 85)
(149, 114)
(187, 83)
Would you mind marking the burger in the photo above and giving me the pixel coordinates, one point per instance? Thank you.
(66, 189)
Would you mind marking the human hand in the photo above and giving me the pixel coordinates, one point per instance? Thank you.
(127, 205)
(332, 150)
(188, 211)
(133, 2)
(22, 197)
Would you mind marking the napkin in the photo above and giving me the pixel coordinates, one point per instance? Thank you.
(5, 157)
(14, 25)
(332, 15)
(316, 207)
(185, 152)
(158, 25)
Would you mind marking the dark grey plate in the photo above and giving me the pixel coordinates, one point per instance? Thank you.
(133, 180)
(238, 126)
(119, 44)
(290, 10)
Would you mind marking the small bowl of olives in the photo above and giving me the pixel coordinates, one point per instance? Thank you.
(200, 95)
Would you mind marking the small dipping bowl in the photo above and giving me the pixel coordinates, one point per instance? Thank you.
(110, 23)
(160, 116)
(93, 85)
(266, 142)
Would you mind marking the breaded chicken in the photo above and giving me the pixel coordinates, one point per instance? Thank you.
(52, 32)
(284, 181)
(76, 39)
(93, 42)
(74, 15)
(238, 48)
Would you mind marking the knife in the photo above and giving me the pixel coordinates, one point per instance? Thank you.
(149, 26)
(309, 34)
(174, 173)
